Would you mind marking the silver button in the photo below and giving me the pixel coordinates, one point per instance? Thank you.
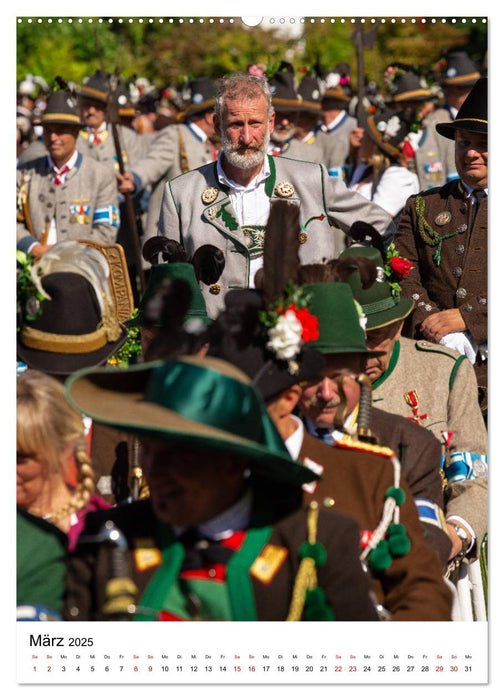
(457, 271)
(415, 296)
(459, 249)
(461, 293)
(468, 307)
(482, 301)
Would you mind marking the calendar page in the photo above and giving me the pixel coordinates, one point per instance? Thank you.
(360, 54)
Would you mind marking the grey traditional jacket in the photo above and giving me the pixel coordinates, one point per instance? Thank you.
(435, 156)
(196, 209)
(84, 207)
(174, 150)
(436, 387)
(105, 151)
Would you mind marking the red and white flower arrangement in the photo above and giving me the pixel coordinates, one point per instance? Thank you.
(289, 325)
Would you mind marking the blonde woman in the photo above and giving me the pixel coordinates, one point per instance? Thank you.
(50, 441)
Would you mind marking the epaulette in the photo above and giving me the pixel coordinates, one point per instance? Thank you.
(347, 442)
(426, 346)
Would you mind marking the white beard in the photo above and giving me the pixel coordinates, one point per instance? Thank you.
(244, 161)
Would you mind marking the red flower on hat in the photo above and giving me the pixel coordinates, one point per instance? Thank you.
(401, 266)
(308, 322)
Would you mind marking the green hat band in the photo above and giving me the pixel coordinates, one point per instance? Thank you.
(381, 305)
(204, 396)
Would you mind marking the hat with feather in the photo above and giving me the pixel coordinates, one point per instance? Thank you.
(68, 315)
(264, 331)
(169, 261)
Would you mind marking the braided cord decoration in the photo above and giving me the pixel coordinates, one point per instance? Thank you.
(389, 540)
(306, 577)
(428, 234)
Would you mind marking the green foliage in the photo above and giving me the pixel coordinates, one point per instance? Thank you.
(164, 51)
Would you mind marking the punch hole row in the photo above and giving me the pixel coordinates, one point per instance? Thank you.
(267, 20)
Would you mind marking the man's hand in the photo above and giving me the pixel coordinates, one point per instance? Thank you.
(437, 325)
(38, 250)
(455, 539)
(125, 183)
(355, 137)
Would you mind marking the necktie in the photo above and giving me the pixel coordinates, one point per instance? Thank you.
(324, 434)
(202, 552)
(57, 174)
(479, 195)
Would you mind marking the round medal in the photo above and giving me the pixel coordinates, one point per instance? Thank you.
(209, 195)
(443, 218)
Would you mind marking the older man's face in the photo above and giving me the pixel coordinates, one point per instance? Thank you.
(321, 398)
(60, 141)
(245, 131)
(471, 158)
(93, 112)
(381, 340)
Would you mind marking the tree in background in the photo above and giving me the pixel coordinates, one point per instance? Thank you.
(166, 52)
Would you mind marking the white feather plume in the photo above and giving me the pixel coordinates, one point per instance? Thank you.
(72, 256)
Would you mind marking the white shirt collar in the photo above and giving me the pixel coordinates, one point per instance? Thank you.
(70, 163)
(470, 189)
(335, 121)
(294, 442)
(263, 175)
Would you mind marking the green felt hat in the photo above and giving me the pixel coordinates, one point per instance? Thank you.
(169, 271)
(203, 403)
(379, 304)
(340, 329)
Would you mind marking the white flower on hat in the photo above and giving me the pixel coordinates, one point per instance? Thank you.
(285, 338)
(361, 314)
(392, 127)
(332, 80)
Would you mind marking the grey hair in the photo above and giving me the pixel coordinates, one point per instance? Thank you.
(242, 85)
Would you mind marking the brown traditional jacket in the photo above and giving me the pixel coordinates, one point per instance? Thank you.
(354, 482)
(259, 576)
(449, 256)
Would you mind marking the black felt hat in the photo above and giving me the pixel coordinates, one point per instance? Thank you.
(97, 87)
(202, 98)
(71, 332)
(407, 87)
(472, 116)
(309, 90)
(459, 70)
(61, 108)
(285, 97)
(387, 129)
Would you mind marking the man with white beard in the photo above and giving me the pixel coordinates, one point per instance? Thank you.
(227, 203)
